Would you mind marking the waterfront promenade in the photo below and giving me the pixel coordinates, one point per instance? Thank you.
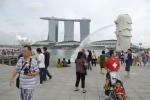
(61, 87)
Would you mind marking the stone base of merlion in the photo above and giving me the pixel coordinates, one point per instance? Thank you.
(123, 32)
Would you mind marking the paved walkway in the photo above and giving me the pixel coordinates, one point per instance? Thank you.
(61, 87)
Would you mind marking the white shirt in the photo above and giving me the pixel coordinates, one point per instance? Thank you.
(94, 56)
(114, 76)
(41, 59)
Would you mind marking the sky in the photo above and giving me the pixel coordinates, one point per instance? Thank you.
(23, 17)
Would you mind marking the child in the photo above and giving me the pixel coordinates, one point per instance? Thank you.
(119, 90)
(59, 64)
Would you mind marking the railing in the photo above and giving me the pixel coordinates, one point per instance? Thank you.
(8, 60)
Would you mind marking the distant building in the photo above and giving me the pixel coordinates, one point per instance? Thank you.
(68, 28)
(64, 44)
(53, 31)
(110, 44)
(69, 44)
(84, 29)
(44, 43)
(103, 44)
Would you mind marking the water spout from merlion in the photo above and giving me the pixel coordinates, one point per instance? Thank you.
(87, 40)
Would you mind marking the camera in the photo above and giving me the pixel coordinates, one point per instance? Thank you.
(26, 71)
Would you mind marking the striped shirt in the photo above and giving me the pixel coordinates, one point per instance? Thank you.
(27, 82)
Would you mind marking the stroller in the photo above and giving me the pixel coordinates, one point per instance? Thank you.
(110, 83)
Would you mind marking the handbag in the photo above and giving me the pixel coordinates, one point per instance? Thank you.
(18, 78)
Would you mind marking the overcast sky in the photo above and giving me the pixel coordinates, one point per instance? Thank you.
(23, 17)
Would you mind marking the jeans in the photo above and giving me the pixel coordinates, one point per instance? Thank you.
(93, 62)
(42, 75)
(47, 73)
(89, 66)
(78, 77)
(26, 94)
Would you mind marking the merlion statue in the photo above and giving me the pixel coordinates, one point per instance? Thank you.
(123, 32)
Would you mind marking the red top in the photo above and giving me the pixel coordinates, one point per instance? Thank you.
(112, 64)
(119, 90)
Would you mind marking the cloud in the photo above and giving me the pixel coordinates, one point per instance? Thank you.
(23, 16)
(35, 6)
(5, 3)
(2, 4)
(5, 38)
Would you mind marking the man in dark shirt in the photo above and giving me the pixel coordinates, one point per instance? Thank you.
(128, 62)
(47, 59)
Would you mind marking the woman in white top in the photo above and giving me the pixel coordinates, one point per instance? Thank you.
(41, 65)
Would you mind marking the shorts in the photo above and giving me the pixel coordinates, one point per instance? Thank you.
(102, 65)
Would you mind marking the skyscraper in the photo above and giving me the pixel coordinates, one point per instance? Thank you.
(84, 28)
(53, 31)
(68, 28)
(69, 31)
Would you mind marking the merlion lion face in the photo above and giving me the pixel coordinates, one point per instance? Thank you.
(124, 22)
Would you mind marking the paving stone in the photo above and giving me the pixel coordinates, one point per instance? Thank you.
(61, 87)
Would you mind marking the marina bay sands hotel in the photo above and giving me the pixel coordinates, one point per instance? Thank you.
(68, 28)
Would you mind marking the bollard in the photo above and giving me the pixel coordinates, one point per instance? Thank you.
(9, 61)
(2, 61)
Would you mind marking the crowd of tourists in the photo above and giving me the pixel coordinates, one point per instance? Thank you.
(110, 63)
(9, 52)
(140, 58)
(28, 68)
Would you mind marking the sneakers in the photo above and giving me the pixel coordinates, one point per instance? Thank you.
(50, 77)
(76, 89)
(83, 91)
(39, 84)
